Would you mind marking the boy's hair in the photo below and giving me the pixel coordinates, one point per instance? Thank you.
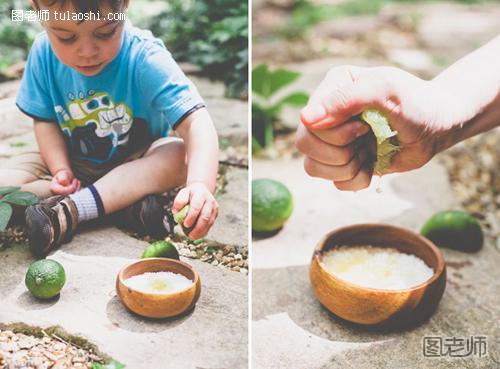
(85, 6)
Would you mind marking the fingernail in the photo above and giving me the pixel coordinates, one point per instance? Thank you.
(313, 113)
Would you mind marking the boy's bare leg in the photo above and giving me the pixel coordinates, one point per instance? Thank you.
(25, 180)
(162, 167)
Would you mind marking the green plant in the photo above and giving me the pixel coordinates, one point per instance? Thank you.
(306, 14)
(265, 108)
(15, 38)
(12, 196)
(212, 34)
(112, 365)
(18, 144)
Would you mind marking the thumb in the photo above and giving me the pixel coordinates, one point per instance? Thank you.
(338, 105)
(181, 200)
(63, 178)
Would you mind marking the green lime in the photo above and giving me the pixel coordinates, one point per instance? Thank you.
(181, 215)
(45, 278)
(454, 229)
(160, 249)
(179, 218)
(272, 205)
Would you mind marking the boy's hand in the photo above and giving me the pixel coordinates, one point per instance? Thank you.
(203, 208)
(64, 183)
(332, 136)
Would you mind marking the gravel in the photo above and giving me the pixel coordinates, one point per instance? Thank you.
(12, 235)
(21, 351)
(224, 256)
(473, 167)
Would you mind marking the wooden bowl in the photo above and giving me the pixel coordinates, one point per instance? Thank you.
(156, 305)
(379, 307)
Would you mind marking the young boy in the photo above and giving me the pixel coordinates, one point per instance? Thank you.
(103, 96)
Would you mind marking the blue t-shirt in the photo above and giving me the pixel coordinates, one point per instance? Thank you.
(136, 98)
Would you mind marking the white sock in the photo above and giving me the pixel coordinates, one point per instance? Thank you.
(86, 204)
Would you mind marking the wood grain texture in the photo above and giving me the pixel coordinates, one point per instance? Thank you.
(369, 306)
(156, 305)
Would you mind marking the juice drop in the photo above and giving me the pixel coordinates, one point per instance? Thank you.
(378, 187)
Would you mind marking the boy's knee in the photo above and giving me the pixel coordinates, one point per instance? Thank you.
(173, 147)
(179, 149)
(177, 152)
(170, 164)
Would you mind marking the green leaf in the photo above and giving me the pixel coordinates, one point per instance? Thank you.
(256, 146)
(21, 198)
(260, 75)
(6, 190)
(268, 134)
(224, 143)
(266, 83)
(5, 214)
(296, 99)
(281, 78)
(112, 365)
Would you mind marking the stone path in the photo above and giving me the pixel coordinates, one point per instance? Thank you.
(213, 335)
(284, 304)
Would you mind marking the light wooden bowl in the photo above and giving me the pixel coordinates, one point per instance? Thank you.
(379, 307)
(156, 305)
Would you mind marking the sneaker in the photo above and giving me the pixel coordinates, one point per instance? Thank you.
(50, 223)
(149, 216)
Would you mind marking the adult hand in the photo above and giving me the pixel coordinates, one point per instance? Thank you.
(336, 143)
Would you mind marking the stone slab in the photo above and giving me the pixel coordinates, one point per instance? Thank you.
(230, 118)
(231, 226)
(213, 335)
(283, 304)
(403, 199)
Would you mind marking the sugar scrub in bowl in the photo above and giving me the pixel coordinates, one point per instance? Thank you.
(376, 267)
(158, 282)
(374, 274)
(158, 287)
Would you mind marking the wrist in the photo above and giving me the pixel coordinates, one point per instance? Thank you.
(485, 117)
(210, 187)
(56, 170)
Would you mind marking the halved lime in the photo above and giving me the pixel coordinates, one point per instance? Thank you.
(386, 141)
